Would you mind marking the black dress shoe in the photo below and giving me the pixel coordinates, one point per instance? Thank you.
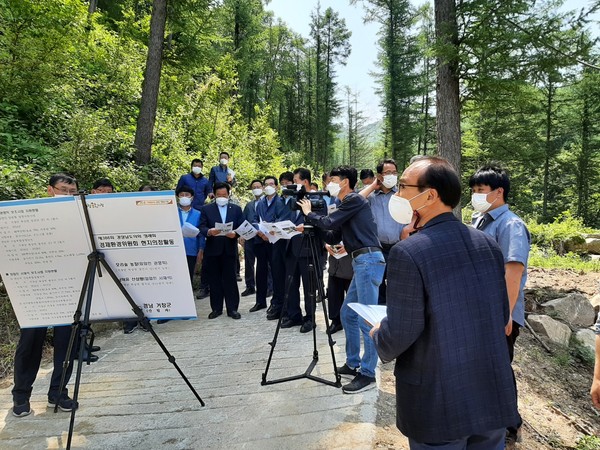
(307, 326)
(95, 348)
(257, 307)
(248, 291)
(234, 315)
(334, 328)
(203, 294)
(289, 323)
(238, 277)
(273, 314)
(214, 314)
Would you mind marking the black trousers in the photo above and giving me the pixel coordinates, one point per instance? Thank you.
(191, 262)
(278, 272)
(249, 258)
(28, 358)
(511, 340)
(264, 259)
(336, 292)
(222, 282)
(309, 284)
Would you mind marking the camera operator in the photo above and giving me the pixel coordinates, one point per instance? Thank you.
(353, 223)
(298, 257)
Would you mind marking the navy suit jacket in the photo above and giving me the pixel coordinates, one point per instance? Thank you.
(446, 310)
(219, 245)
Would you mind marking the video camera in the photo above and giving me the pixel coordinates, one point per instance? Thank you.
(299, 192)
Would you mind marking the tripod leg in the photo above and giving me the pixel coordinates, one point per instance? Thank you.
(320, 299)
(288, 285)
(146, 323)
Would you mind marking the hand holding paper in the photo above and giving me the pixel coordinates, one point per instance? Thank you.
(373, 314)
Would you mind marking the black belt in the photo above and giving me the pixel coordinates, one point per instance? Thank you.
(364, 250)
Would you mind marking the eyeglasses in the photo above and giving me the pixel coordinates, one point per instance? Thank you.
(402, 186)
(64, 190)
(389, 172)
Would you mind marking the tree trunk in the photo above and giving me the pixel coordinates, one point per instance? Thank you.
(548, 147)
(447, 92)
(150, 87)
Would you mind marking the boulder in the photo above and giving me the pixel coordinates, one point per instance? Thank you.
(575, 309)
(592, 245)
(587, 338)
(595, 302)
(583, 243)
(555, 331)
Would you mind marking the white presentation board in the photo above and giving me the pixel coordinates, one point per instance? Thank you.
(44, 248)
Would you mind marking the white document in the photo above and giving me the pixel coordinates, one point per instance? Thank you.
(373, 314)
(189, 230)
(266, 228)
(340, 255)
(286, 229)
(246, 230)
(278, 230)
(224, 228)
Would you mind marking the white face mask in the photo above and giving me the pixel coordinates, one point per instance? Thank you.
(400, 208)
(480, 203)
(389, 181)
(196, 170)
(270, 190)
(334, 189)
(185, 201)
(257, 192)
(224, 161)
(222, 201)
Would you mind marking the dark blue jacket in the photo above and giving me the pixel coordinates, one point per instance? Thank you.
(446, 310)
(201, 186)
(219, 245)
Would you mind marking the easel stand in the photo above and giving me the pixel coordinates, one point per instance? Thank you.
(82, 330)
(315, 269)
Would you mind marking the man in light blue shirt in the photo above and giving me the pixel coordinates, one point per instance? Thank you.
(490, 186)
(378, 194)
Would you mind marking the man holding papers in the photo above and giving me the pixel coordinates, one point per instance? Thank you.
(446, 310)
(269, 208)
(217, 223)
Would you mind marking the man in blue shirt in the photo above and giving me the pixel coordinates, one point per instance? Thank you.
(195, 180)
(222, 173)
(378, 194)
(353, 223)
(490, 186)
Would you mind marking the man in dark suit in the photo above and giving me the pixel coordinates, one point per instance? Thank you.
(220, 252)
(447, 307)
(300, 264)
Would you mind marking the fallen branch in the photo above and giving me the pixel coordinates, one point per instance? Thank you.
(539, 339)
(580, 425)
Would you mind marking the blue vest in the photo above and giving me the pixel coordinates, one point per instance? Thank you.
(192, 244)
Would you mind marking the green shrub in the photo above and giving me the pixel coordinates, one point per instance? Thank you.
(547, 258)
(565, 228)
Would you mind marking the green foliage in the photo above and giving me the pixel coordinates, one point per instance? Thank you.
(549, 259)
(588, 443)
(566, 227)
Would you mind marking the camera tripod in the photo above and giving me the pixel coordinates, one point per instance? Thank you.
(314, 270)
(81, 329)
